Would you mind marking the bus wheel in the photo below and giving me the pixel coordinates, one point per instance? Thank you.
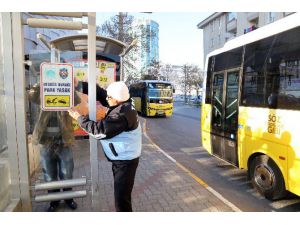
(267, 178)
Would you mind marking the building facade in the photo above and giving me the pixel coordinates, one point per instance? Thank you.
(148, 36)
(221, 27)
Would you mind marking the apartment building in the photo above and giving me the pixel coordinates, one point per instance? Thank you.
(221, 27)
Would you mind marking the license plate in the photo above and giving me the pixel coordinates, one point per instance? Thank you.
(160, 112)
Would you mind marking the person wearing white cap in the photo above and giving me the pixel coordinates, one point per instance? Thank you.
(120, 135)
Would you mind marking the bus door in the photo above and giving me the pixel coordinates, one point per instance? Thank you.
(224, 118)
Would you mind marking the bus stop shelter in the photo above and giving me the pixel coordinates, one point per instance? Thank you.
(18, 159)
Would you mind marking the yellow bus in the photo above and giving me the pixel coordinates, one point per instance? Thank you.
(152, 97)
(251, 106)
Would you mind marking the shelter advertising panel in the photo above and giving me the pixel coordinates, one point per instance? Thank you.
(105, 75)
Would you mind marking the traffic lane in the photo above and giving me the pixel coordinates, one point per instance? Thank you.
(179, 136)
(166, 129)
(182, 143)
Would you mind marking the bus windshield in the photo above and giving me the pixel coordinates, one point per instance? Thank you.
(160, 90)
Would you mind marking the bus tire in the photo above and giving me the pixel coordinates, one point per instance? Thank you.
(267, 178)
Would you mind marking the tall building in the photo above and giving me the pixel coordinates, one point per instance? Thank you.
(221, 27)
(148, 34)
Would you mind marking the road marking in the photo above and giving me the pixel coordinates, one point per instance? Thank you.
(191, 174)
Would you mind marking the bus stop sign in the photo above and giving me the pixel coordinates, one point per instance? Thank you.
(57, 86)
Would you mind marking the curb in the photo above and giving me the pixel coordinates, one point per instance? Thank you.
(191, 174)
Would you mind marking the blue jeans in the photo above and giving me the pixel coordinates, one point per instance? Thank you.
(57, 164)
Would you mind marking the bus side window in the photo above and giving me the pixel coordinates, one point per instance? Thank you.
(208, 81)
(256, 80)
(228, 60)
(285, 63)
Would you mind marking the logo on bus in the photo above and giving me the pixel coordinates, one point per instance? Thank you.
(274, 124)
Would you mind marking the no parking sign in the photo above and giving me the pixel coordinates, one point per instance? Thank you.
(57, 86)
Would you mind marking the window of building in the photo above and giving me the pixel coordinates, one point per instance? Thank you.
(220, 25)
(231, 16)
(212, 43)
(271, 17)
(219, 39)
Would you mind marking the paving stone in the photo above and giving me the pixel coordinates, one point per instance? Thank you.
(160, 185)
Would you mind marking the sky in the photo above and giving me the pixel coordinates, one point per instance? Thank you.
(180, 41)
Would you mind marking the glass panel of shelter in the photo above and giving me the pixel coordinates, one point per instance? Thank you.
(54, 148)
(4, 157)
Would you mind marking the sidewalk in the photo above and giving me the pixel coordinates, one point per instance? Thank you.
(160, 185)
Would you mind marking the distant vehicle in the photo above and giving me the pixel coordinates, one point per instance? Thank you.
(197, 100)
(153, 97)
(251, 106)
(178, 98)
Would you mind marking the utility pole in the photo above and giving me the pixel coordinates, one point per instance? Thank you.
(120, 38)
(185, 78)
(121, 27)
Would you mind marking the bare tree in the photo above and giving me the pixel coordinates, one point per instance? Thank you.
(198, 80)
(167, 72)
(118, 27)
(122, 28)
(152, 71)
(192, 79)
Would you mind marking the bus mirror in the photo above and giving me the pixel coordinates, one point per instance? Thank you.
(173, 90)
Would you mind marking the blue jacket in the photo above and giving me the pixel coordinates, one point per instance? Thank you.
(119, 132)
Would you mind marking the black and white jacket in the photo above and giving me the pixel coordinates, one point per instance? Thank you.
(119, 132)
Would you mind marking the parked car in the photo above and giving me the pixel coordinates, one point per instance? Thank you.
(197, 100)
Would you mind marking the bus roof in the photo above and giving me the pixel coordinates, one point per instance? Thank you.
(78, 42)
(278, 26)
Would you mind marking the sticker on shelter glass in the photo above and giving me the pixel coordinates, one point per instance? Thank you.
(106, 73)
(57, 87)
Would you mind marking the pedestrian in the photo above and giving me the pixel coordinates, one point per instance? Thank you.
(53, 135)
(120, 135)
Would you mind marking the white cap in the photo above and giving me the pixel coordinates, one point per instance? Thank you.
(118, 90)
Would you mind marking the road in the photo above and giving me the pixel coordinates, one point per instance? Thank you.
(179, 136)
